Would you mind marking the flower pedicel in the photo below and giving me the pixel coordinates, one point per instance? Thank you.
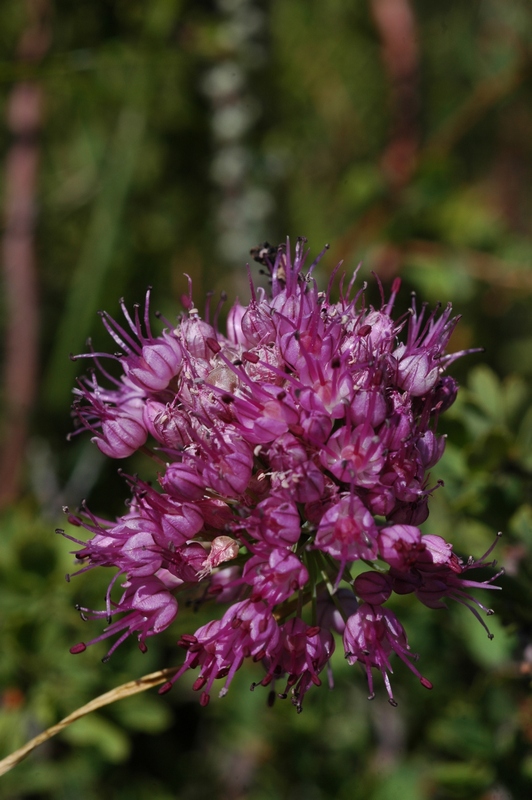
(293, 446)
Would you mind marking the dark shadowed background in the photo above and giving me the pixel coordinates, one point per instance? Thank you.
(144, 140)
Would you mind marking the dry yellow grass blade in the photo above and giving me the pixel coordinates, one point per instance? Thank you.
(125, 690)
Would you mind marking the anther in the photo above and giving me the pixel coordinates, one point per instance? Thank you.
(213, 344)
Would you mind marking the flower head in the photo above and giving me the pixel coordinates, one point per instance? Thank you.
(294, 445)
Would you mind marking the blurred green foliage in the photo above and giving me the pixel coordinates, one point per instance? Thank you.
(144, 173)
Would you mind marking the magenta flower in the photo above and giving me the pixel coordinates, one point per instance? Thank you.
(293, 446)
(371, 635)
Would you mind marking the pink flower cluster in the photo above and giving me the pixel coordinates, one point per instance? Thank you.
(292, 449)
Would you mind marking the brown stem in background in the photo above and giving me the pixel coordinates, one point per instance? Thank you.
(396, 25)
(24, 111)
(482, 99)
